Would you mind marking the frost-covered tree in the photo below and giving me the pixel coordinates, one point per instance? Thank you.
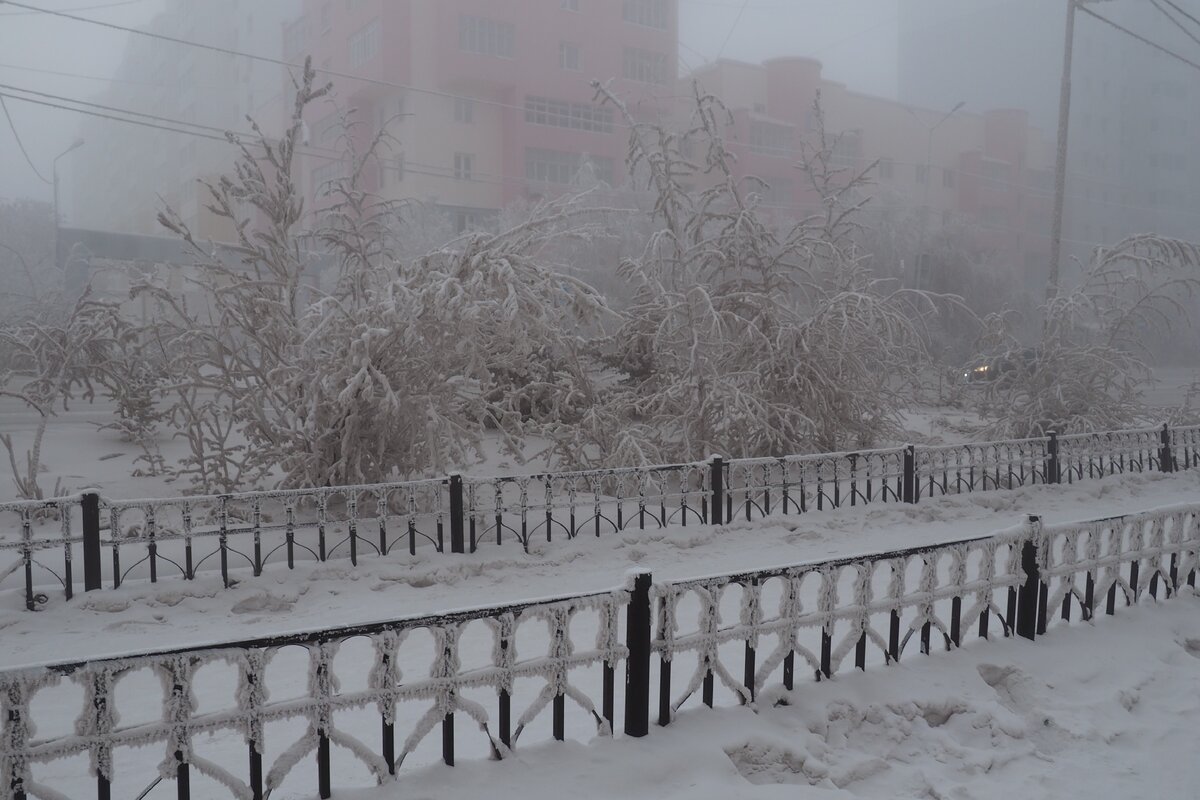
(52, 364)
(743, 339)
(1085, 366)
(396, 366)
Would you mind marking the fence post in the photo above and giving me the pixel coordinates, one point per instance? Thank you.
(90, 508)
(457, 543)
(910, 474)
(716, 482)
(1166, 460)
(1053, 468)
(1027, 595)
(637, 665)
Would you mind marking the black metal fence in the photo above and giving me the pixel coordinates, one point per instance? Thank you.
(245, 534)
(1022, 581)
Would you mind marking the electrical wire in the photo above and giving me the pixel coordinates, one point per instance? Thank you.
(733, 27)
(1176, 22)
(78, 8)
(282, 62)
(1140, 38)
(1183, 11)
(13, 126)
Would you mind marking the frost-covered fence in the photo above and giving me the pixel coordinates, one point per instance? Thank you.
(350, 706)
(242, 535)
(873, 608)
(412, 676)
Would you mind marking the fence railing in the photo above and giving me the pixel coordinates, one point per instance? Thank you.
(248, 533)
(1023, 581)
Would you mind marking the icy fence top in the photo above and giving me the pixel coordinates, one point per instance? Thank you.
(411, 676)
(244, 534)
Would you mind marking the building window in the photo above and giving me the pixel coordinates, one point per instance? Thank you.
(569, 5)
(466, 221)
(364, 45)
(487, 37)
(922, 173)
(464, 166)
(649, 13)
(391, 171)
(948, 178)
(555, 166)
(887, 169)
(645, 66)
(568, 56)
(561, 114)
(464, 110)
(771, 138)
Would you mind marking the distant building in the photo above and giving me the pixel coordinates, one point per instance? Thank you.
(500, 106)
(1135, 112)
(989, 171)
(124, 173)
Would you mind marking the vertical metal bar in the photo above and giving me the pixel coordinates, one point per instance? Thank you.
(324, 787)
(1089, 597)
(717, 487)
(1133, 580)
(381, 510)
(789, 670)
(256, 772)
(826, 652)
(224, 540)
(609, 690)
(389, 745)
(956, 621)
(152, 544)
(183, 781)
(1027, 599)
(289, 533)
(560, 713)
(637, 665)
(707, 689)
(505, 721)
(664, 691)
(910, 474)
(352, 525)
(1166, 461)
(27, 557)
(90, 507)
(258, 560)
(1053, 467)
(457, 543)
(321, 527)
(894, 635)
(68, 579)
(448, 740)
(860, 653)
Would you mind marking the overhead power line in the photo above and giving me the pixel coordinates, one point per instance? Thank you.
(1175, 21)
(77, 8)
(282, 62)
(1183, 11)
(12, 125)
(1139, 37)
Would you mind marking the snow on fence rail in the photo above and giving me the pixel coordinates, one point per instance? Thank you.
(1023, 581)
(250, 532)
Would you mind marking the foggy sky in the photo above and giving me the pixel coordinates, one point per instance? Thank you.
(855, 38)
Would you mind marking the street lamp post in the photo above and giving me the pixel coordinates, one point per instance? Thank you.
(58, 259)
(919, 266)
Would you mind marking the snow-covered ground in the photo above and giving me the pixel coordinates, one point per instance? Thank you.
(1103, 711)
(175, 612)
(1088, 711)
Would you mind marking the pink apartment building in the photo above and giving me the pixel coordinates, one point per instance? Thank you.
(989, 171)
(488, 100)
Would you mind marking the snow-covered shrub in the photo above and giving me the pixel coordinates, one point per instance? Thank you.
(395, 369)
(52, 364)
(743, 339)
(1087, 367)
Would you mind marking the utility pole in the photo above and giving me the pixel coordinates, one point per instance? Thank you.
(1060, 168)
(1060, 171)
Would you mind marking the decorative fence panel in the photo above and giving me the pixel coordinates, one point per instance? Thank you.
(248, 533)
(1024, 580)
